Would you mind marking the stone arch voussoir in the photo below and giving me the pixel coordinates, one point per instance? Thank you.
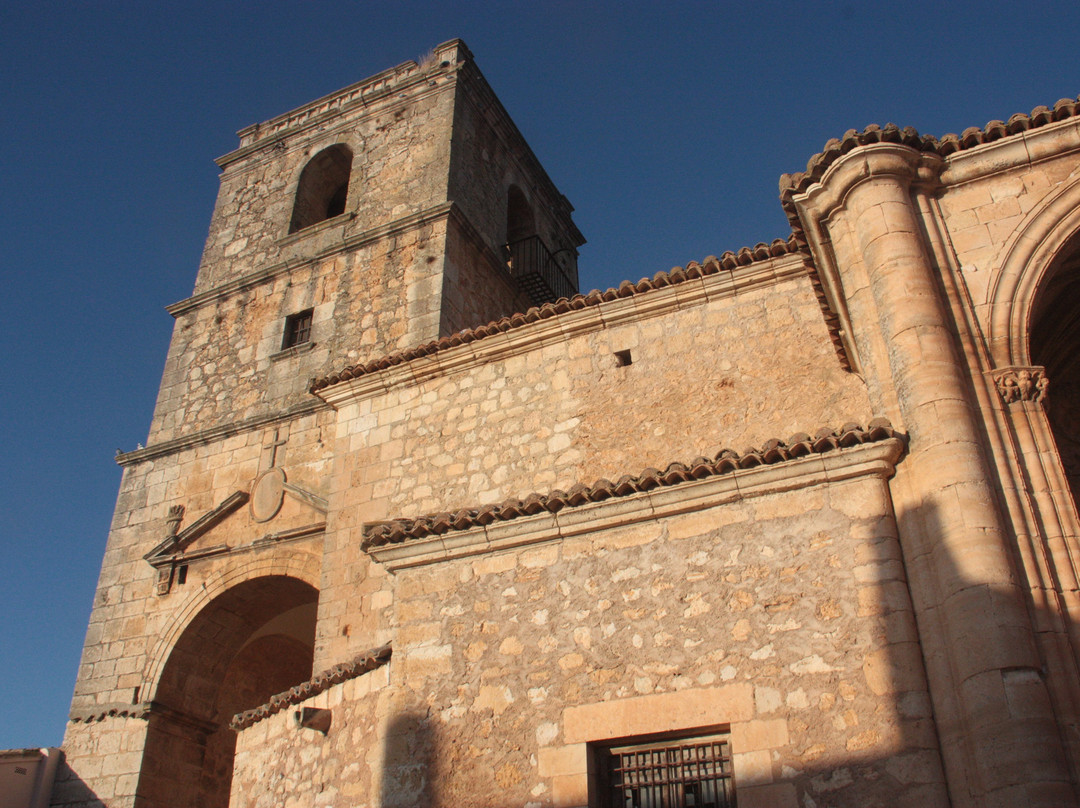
(303, 566)
(1031, 252)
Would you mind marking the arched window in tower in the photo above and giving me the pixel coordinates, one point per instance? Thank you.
(323, 188)
(520, 223)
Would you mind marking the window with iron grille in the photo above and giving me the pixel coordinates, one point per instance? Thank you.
(666, 773)
(297, 329)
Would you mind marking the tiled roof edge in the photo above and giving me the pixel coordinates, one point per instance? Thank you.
(971, 137)
(367, 661)
(710, 266)
(774, 451)
(791, 184)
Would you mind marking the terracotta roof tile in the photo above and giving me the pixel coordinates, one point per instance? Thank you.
(397, 531)
(971, 137)
(367, 661)
(791, 184)
(710, 266)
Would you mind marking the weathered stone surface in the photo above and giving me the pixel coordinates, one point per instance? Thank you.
(548, 514)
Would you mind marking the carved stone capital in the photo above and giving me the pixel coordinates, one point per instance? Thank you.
(1021, 383)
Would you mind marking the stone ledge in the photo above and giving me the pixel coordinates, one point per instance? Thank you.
(367, 661)
(556, 322)
(681, 488)
(216, 433)
(349, 242)
(447, 56)
(295, 350)
(140, 709)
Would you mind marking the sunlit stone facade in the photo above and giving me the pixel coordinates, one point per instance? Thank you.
(416, 524)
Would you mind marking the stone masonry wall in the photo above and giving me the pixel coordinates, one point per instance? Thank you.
(724, 370)
(488, 157)
(226, 363)
(281, 764)
(783, 617)
(401, 152)
(129, 619)
(476, 288)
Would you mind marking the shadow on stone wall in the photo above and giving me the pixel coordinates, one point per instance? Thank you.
(409, 753)
(70, 791)
(895, 762)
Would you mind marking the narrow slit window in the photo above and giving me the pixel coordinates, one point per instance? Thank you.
(297, 329)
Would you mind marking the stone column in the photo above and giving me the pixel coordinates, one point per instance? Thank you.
(999, 736)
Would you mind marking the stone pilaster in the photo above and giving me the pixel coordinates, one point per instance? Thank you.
(998, 731)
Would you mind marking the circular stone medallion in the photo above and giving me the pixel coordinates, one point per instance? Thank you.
(267, 493)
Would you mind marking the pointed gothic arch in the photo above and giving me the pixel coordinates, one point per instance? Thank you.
(1026, 260)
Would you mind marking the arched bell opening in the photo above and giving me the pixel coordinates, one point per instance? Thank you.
(253, 641)
(1055, 345)
(520, 222)
(323, 188)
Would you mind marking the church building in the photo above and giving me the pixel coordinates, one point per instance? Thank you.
(419, 524)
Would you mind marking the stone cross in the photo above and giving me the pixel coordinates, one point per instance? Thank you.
(272, 445)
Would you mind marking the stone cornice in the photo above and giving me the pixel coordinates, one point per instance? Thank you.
(972, 137)
(365, 662)
(717, 278)
(140, 709)
(348, 243)
(832, 456)
(216, 433)
(387, 84)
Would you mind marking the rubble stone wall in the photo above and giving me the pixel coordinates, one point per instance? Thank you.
(783, 619)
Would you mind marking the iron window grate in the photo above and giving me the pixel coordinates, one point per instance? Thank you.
(687, 773)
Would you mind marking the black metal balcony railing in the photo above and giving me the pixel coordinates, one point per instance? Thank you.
(538, 272)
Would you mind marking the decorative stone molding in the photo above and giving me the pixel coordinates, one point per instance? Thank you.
(1021, 384)
(680, 488)
(556, 322)
(115, 710)
(367, 661)
(973, 136)
(213, 434)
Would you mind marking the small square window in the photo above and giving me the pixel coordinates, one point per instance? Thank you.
(665, 772)
(297, 329)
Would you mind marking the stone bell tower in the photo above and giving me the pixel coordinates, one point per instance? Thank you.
(391, 213)
(401, 209)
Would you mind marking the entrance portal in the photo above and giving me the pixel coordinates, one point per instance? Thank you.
(253, 641)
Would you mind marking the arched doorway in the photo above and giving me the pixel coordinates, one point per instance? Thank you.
(254, 640)
(1055, 344)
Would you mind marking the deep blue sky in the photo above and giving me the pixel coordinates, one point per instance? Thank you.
(666, 128)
